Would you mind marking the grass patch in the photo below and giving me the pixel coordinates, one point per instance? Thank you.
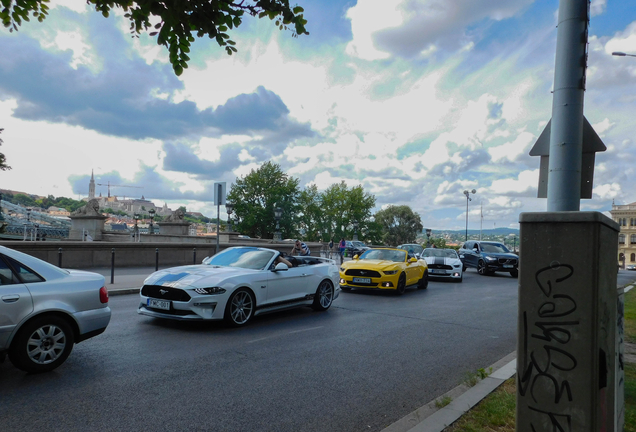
(443, 401)
(495, 413)
(630, 316)
(472, 378)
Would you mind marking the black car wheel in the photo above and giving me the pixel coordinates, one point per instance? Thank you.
(423, 283)
(323, 297)
(401, 285)
(482, 269)
(240, 308)
(42, 344)
(463, 269)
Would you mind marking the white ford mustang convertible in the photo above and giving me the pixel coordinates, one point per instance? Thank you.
(239, 283)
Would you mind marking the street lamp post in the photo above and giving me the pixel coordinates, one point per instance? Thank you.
(151, 212)
(468, 198)
(228, 209)
(278, 213)
(428, 237)
(136, 230)
(514, 242)
(622, 54)
(355, 231)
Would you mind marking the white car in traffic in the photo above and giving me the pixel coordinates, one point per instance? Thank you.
(238, 284)
(443, 263)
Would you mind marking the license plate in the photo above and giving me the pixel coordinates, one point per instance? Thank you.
(362, 280)
(508, 266)
(158, 304)
(433, 271)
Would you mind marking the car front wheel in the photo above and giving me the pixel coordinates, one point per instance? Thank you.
(482, 269)
(240, 308)
(323, 297)
(42, 344)
(401, 285)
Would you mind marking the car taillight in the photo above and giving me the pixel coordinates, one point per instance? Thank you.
(103, 295)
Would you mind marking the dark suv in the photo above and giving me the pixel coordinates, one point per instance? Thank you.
(489, 257)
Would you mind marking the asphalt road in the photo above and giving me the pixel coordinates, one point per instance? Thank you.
(364, 364)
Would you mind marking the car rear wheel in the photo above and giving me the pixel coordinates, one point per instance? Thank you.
(423, 283)
(240, 308)
(42, 344)
(323, 297)
(401, 285)
(482, 269)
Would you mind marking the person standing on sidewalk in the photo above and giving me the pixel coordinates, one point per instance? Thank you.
(341, 247)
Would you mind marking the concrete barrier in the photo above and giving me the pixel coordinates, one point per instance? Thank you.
(80, 255)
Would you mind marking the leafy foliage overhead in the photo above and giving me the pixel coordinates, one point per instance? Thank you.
(175, 22)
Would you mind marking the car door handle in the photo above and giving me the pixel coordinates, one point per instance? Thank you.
(10, 298)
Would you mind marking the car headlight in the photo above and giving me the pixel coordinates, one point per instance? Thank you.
(213, 290)
(389, 272)
(489, 258)
(457, 265)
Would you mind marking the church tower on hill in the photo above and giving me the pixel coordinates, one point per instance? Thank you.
(91, 187)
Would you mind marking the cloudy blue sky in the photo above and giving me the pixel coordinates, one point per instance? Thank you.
(416, 100)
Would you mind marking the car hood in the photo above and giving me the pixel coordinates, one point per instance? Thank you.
(500, 255)
(369, 263)
(440, 260)
(195, 276)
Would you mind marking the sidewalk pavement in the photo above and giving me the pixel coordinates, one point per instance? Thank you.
(428, 418)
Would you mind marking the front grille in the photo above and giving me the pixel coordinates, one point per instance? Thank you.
(171, 311)
(507, 261)
(365, 285)
(363, 273)
(440, 266)
(169, 293)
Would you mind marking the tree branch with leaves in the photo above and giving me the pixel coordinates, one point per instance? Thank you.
(175, 23)
(3, 159)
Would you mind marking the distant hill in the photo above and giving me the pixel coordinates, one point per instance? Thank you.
(472, 232)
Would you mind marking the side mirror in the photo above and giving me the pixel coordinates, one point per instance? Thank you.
(355, 257)
(461, 256)
(281, 267)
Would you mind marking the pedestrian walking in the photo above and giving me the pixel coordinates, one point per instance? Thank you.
(341, 247)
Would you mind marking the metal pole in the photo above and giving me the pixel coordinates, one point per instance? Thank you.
(218, 216)
(112, 266)
(194, 255)
(156, 259)
(566, 136)
(59, 257)
(466, 218)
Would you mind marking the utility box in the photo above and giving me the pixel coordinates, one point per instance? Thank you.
(569, 353)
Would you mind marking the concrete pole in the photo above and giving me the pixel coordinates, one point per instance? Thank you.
(218, 216)
(566, 138)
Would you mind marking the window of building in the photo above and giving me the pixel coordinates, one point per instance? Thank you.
(632, 239)
(632, 257)
(621, 239)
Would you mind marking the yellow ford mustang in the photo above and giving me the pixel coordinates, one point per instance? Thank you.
(387, 269)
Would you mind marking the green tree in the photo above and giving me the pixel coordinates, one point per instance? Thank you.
(439, 242)
(177, 21)
(400, 224)
(3, 160)
(310, 220)
(257, 194)
(343, 207)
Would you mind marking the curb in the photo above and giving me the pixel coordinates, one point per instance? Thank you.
(430, 418)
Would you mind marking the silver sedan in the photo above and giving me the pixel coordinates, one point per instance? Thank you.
(45, 310)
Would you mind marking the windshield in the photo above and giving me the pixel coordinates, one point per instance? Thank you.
(440, 253)
(385, 255)
(494, 248)
(246, 258)
(411, 248)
